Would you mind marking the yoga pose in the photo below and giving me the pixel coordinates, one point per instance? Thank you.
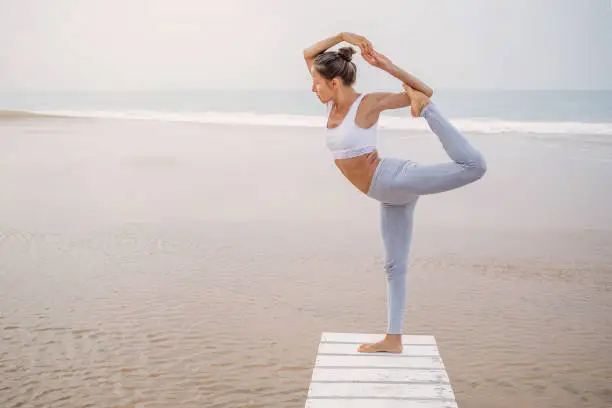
(352, 126)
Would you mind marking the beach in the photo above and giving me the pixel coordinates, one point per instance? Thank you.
(152, 263)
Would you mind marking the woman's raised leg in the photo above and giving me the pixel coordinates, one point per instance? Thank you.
(468, 164)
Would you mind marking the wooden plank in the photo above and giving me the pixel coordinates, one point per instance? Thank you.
(381, 361)
(379, 374)
(375, 390)
(371, 403)
(351, 349)
(359, 338)
(345, 378)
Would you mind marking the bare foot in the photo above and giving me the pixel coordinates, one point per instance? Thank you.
(392, 343)
(418, 100)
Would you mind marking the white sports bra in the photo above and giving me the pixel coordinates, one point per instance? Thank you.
(347, 139)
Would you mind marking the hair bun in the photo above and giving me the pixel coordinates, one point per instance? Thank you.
(347, 53)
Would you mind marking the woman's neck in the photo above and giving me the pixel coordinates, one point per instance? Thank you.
(345, 98)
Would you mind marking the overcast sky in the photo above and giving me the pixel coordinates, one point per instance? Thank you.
(200, 44)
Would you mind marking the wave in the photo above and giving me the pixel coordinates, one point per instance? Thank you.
(474, 125)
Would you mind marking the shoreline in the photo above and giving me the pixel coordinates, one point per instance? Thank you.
(6, 114)
(479, 126)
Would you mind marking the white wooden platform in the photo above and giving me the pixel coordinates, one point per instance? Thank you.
(344, 378)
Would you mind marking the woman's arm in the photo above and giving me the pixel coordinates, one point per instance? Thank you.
(382, 101)
(311, 52)
(378, 60)
(315, 49)
(410, 80)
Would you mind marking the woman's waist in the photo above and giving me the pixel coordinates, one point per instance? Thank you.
(359, 169)
(359, 162)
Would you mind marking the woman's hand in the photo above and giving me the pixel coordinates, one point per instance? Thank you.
(378, 60)
(359, 41)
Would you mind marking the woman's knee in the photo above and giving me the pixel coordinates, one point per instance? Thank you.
(480, 165)
(477, 167)
(395, 269)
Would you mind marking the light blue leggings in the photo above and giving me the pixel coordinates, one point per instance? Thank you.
(398, 183)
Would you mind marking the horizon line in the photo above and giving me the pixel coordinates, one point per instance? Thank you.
(287, 90)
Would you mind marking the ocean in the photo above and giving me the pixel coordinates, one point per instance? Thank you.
(480, 111)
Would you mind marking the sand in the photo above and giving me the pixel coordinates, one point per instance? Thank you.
(159, 264)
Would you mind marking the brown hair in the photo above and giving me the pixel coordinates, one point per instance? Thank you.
(331, 64)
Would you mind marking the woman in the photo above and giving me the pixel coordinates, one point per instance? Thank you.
(395, 183)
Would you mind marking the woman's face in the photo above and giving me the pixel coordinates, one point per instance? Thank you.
(323, 88)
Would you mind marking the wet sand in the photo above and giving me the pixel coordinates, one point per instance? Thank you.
(156, 264)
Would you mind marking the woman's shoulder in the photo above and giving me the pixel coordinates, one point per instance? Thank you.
(370, 99)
